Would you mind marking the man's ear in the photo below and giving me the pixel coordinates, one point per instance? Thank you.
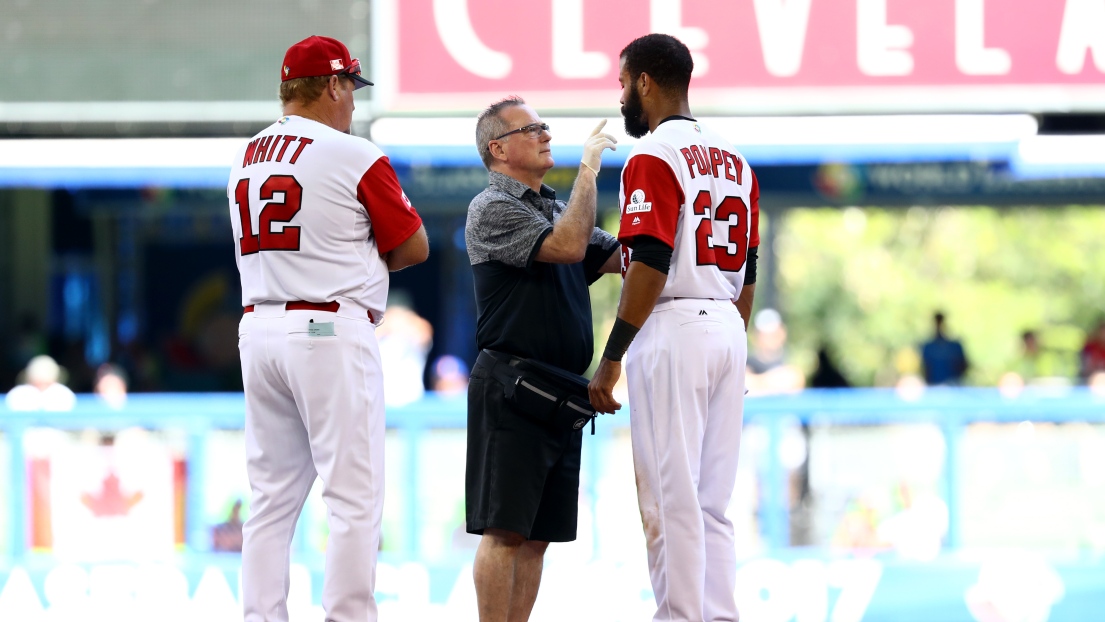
(333, 87)
(645, 85)
(496, 149)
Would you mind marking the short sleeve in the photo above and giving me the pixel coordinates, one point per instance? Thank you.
(604, 240)
(600, 248)
(507, 230)
(389, 210)
(652, 198)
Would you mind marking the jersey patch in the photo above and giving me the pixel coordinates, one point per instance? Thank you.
(652, 207)
(638, 204)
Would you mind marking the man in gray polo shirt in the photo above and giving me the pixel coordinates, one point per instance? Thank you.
(532, 257)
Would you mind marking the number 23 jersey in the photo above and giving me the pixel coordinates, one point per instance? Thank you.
(313, 209)
(689, 188)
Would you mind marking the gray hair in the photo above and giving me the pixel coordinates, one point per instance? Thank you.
(490, 124)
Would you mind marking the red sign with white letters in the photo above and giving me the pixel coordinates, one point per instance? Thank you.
(752, 56)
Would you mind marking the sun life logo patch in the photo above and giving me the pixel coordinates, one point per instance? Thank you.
(637, 203)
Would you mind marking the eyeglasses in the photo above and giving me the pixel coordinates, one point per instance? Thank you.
(533, 130)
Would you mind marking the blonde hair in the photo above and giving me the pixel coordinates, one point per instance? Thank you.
(303, 90)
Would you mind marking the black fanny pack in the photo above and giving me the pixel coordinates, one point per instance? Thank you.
(551, 395)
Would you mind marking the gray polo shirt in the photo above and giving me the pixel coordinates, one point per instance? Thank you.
(527, 307)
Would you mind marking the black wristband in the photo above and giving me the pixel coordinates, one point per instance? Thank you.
(620, 337)
(750, 266)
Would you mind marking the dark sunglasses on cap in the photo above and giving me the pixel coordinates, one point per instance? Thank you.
(354, 73)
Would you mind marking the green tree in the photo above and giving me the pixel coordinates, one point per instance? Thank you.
(866, 281)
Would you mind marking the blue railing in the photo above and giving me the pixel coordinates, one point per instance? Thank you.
(196, 415)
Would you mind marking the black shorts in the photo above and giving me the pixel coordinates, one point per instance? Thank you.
(521, 475)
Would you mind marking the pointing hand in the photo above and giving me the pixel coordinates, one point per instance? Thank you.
(595, 145)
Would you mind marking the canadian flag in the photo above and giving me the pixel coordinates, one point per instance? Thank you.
(336, 65)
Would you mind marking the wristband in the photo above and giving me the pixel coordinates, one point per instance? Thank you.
(582, 163)
(620, 337)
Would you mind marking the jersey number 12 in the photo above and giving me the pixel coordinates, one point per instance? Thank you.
(266, 239)
(730, 255)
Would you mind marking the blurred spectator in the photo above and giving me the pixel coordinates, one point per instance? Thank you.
(111, 385)
(1093, 354)
(449, 375)
(942, 358)
(41, 389)
(910, 387)
(827, 376)
(27, 343)
(227, 536)
(1036, 365)
(405, 339)
(768, 370)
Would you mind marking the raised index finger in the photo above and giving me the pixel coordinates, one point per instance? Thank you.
(598, 128)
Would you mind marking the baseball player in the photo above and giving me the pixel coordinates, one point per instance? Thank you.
(689, 221)
(319, 220)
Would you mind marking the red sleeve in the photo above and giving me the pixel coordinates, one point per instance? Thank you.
(653, 197)
(390, 211)
(754, 219)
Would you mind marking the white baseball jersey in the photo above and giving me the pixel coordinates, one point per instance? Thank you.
(312, 210)
(689, 188)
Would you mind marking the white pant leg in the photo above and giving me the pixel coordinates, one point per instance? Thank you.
(338, 384)
(278, 463)
(671, 367)
(720, 453)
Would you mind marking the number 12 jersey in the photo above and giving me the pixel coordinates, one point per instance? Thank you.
(313, 209)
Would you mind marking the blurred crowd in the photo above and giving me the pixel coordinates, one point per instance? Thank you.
(45, 382)
(940, 360)
(48, 380)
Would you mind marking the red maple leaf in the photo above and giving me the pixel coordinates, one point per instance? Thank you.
(110, 501)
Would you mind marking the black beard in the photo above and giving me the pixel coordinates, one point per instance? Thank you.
(634, 114)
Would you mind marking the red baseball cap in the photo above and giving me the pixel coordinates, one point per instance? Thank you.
(321, 56)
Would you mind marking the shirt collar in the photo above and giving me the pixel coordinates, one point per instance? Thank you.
(676, 117)
(513, 187)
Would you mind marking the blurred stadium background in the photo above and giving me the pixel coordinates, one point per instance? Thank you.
(913, 158)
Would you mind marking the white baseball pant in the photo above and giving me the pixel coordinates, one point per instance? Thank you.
(314, 406)
(686, 397)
